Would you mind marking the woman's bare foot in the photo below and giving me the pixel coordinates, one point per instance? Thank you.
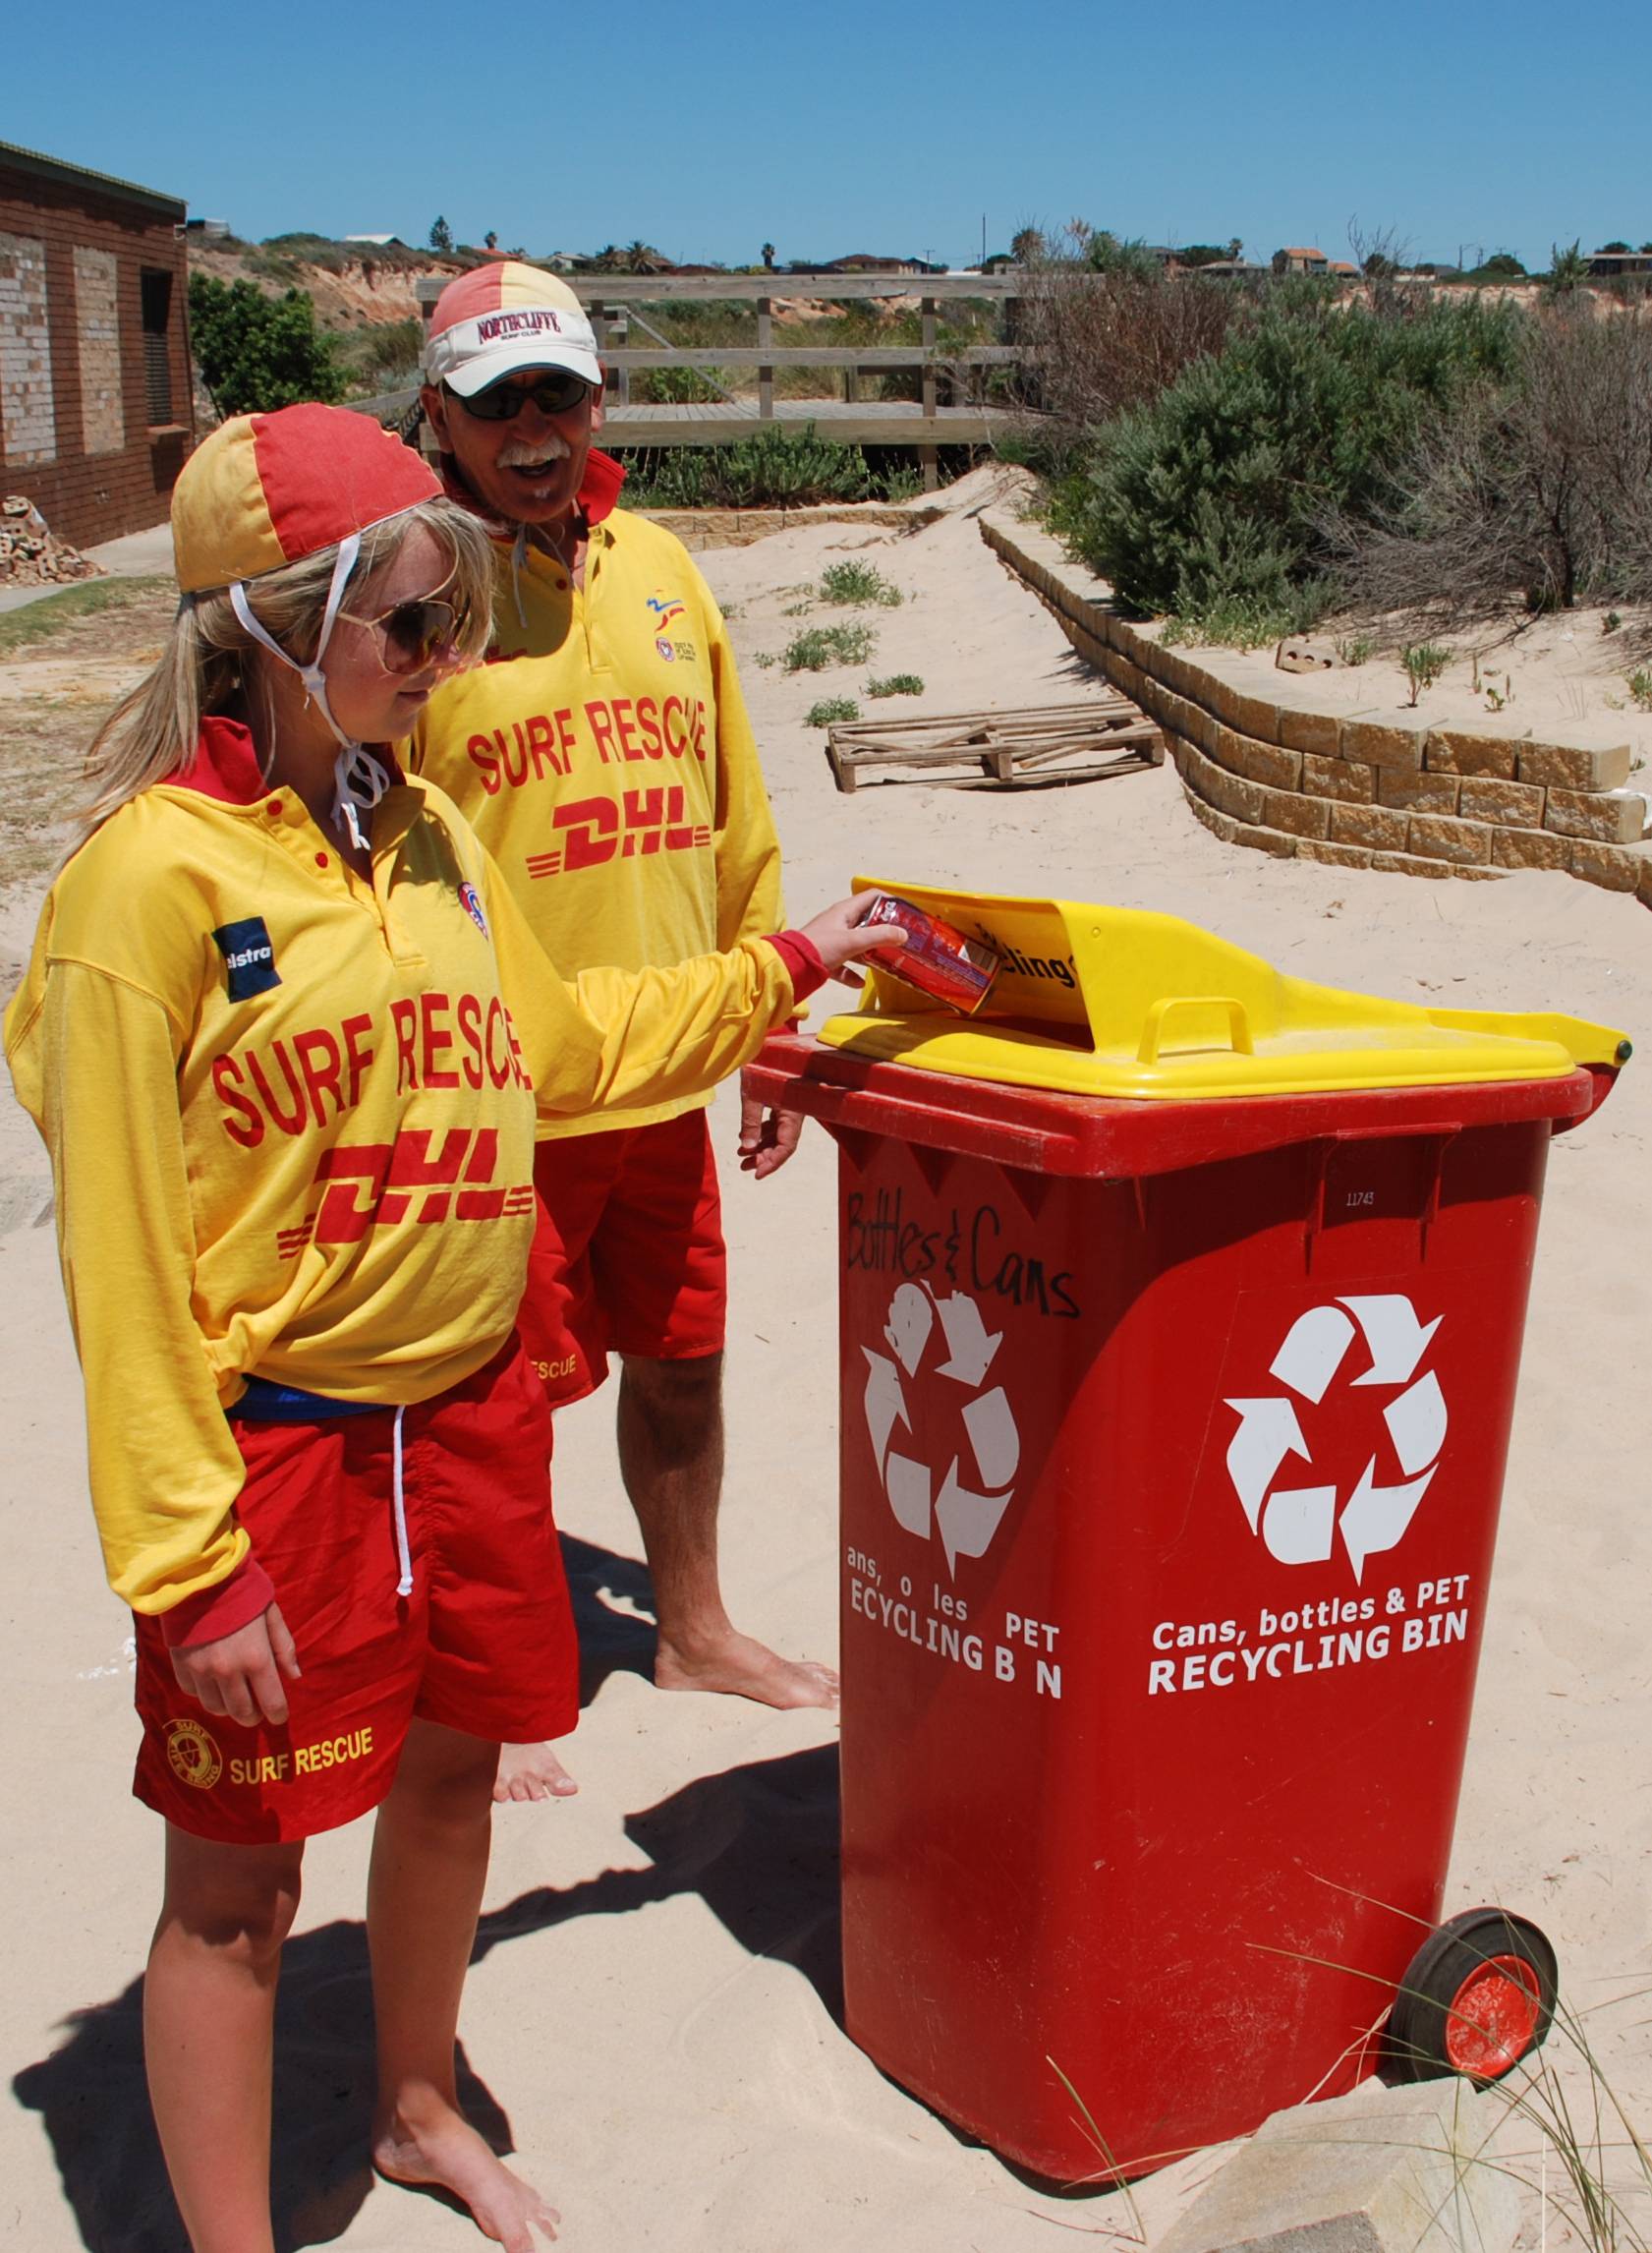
(447, 2155)
(532, 1772)
(741, 1667)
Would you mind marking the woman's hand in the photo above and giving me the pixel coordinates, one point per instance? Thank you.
(842, 933)
(240, 1674)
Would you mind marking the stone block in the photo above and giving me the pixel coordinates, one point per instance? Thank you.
(1376, 827)
(1438, 837)
(1409, 864)
(1414, 2170)
(1489, 746)
(1333, 855)
(1230, 793)
(1300, 817)
(1302, 727)
(1616, 867)
(1512, 805)
(1341, 779)
(1418, 793)
(1298, 653)
(1531, 848)
(1261, 762)
(1392, 740)
(1274, 841)
(1575, 759)
(1220, 825)
(1609, 817)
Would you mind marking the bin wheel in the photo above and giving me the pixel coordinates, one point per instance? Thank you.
(1477, 1997)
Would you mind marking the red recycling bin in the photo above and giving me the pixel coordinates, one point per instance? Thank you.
(1173, 1436)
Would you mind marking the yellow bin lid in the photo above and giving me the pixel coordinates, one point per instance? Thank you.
(1122, 1002)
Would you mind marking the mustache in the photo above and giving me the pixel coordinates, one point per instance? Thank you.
(517, 454)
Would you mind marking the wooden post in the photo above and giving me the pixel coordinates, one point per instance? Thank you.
(621, 334)
(927, 455)
(765, 373)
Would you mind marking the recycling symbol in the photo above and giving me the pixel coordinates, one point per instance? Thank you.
(965, 1510)
(1300, 1523)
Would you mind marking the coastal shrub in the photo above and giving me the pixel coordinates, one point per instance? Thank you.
(819, 647)
(829, 710)
(257, 353)
(896, 684)
(778, 467)
(1539, 491)
(858, 583)
(1217, 491)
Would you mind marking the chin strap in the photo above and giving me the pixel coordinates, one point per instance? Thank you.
(360, 780)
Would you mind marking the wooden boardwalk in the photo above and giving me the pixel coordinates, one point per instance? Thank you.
(862, 423)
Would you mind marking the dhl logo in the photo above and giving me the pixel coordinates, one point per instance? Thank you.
(374, 1184)
(599, 829)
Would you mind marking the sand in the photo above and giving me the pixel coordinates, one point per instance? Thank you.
(651, 2013)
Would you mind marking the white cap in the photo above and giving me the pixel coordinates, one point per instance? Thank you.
(501, 319)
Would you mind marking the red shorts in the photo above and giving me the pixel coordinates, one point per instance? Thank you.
(628, 1257)
(485, 1643)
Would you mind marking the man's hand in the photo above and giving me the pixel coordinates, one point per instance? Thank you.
(240, 1674)
(767, 1138)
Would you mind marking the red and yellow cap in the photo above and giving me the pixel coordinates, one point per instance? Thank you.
(500, 319)
(267, 490)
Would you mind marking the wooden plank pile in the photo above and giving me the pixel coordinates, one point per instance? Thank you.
(1052, 743)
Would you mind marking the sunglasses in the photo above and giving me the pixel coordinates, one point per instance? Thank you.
(553, 394)
(417, 632)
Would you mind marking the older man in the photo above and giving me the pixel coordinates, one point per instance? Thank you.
(604, 756)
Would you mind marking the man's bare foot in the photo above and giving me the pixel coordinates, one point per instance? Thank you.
(531, 1772)
(741, 1667)
(447, 2155)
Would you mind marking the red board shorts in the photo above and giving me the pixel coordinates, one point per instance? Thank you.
(628, 1257)
(485, 1643)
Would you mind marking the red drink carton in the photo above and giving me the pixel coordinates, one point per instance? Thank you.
(937, 958)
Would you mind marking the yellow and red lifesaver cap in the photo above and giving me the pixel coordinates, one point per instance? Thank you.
(267, 490)
(501, 319)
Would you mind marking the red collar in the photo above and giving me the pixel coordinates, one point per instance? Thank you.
(598, 495)
(225, 765)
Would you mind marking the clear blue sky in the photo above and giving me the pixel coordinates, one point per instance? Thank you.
(708, 131)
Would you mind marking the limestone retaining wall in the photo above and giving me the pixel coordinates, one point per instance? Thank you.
(1391, 791)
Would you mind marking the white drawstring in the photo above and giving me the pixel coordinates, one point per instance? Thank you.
(360, 781)
(404, 1586)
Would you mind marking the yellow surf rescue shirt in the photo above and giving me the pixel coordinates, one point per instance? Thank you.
(605, 758)
(290, 1120)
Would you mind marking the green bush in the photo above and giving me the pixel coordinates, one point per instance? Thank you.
(1211, 496)
(859, 582)
(257, 353)
(829, 710)
(821, 647)
(896, 684)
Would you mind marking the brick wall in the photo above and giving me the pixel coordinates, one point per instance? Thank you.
(77, 432)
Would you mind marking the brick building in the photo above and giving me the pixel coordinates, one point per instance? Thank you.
(95, 400)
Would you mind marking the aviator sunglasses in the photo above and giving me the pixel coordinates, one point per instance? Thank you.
(416, 633)
(553, 394)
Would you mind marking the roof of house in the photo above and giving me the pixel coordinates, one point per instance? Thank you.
(1302, 254)
(54, 168)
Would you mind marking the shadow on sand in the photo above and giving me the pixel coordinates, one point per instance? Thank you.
(759, 1844)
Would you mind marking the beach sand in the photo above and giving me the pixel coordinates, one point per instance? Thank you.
(651, 2020)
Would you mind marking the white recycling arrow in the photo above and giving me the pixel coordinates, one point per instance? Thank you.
(908, 1485)
(1396, 1340)
(1300, 1524)
(1268, 1432)
(966, 1521)
(1417, 1423)
(911, 1318)
(886, 1402)
(1311, 1353)
(970, 1347)
(1377, 1517)
(994, 1437)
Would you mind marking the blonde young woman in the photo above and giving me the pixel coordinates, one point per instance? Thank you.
(285, 1035)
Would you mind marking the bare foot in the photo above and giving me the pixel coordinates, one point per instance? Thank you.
(447, 2156)
(532, 1772)
(741, 1667)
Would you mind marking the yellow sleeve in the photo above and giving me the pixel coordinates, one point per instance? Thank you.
(165, 1470)
(747, 851)
(627, 1037)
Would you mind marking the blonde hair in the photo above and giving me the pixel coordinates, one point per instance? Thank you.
(152, 735)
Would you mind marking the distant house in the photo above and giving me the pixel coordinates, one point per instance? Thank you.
(1229, 269)
(1300, 262)
(865, 262)
(1344, 269)
(96, 414)
(208, 230)
(1619, 265)
(377, 242)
